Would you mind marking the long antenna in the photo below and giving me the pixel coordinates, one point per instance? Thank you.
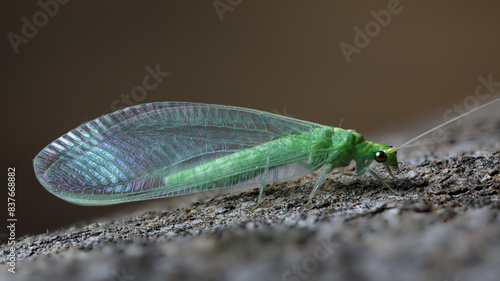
(448, 122)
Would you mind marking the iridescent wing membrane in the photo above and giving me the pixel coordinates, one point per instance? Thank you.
(166, 149)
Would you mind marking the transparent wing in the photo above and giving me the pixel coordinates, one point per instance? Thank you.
(127, 155)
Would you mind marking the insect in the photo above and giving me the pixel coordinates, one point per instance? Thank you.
(168, 149)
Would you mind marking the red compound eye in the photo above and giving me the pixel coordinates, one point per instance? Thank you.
(380, 156)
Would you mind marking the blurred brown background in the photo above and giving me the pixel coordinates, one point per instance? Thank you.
(277, 56)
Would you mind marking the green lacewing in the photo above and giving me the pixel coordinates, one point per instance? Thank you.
(166, 149)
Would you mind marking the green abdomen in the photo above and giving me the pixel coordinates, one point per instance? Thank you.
(285, 157)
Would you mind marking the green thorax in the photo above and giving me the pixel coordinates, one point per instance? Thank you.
(347, 145)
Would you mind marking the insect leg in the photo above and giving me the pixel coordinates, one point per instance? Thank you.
(328, 168)
(264, 178)
(381, 180)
